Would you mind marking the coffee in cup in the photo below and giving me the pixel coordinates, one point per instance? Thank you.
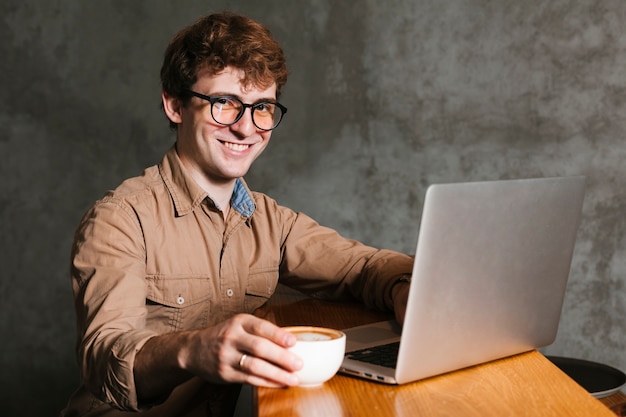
(321, 350)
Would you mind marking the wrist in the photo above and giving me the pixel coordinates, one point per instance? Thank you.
(398, 286)
(404, 279)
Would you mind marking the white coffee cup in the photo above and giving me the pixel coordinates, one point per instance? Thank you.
(321, 350)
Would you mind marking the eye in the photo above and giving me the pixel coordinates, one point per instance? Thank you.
(265, 108)
(227, 103)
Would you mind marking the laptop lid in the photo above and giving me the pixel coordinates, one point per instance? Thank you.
(490, 272)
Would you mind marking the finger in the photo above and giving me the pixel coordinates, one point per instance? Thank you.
(260, 348)
(267, 361)
(261, 382)
(267, 341)
(268, 330)
(257, 371)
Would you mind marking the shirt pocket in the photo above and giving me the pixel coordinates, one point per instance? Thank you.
(260, 287)
(178, 303)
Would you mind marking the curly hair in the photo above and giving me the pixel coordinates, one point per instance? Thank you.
(218, 41)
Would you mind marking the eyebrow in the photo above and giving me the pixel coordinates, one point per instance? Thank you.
(260, 100)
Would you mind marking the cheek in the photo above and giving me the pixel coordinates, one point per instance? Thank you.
(266, 137)
(266, 140)
(205, 129)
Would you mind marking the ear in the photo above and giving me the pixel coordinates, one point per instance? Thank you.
(172, 107)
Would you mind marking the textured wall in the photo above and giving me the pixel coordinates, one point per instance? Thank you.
(384, 98)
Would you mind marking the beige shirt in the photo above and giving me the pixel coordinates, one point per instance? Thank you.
(156, 256)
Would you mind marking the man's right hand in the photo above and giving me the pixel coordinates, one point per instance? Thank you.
(243, 349)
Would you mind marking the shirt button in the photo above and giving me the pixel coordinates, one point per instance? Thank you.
(180, 300)
(229, 292)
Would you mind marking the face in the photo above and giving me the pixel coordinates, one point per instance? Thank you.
(217, 154)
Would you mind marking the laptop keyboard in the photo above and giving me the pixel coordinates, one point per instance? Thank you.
(382, 355)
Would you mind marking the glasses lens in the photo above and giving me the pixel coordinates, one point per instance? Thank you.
(226, 110)
(266, 116)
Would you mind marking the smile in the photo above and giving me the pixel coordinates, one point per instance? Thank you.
(236, 146)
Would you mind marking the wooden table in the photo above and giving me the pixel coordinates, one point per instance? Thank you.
(522, 385)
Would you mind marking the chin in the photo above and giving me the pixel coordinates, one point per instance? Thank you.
(233, 175)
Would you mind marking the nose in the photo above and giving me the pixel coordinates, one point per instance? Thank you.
(244, 126)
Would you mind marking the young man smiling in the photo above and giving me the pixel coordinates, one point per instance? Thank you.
(167, 268)
(217, 154)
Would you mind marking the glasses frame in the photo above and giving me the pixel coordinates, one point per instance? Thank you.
(244, 106)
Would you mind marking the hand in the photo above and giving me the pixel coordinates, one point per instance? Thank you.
(400, 297)
(246, 349)
(216, 354)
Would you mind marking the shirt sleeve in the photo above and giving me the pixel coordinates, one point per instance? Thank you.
(108, 270)
(320, 261)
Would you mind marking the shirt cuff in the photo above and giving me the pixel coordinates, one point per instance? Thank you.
(119, 385)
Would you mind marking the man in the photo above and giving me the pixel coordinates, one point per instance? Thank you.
(167, 268)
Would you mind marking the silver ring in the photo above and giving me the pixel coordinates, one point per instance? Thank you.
(241, 361)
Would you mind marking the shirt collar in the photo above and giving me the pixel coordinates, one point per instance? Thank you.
(242, 199)
(187, 194)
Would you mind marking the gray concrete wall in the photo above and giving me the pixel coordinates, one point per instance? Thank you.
(384, 98)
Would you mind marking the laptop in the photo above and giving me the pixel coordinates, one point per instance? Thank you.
(488, 281)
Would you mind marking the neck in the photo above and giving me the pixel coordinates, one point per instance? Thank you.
(219, 191)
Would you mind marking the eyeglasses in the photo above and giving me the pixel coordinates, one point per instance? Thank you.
(227, 110)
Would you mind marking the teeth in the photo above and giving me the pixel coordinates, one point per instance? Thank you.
(236, 146)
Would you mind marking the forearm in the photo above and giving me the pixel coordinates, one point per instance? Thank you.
(216, 355)
(159, 367)
(381, 276)
(317, 260)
